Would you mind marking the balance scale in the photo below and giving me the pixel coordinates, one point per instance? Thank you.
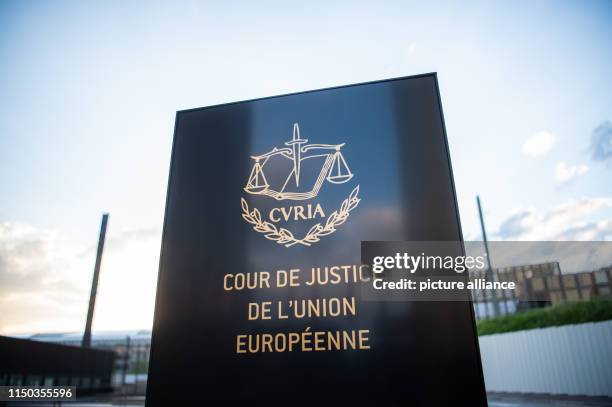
(334, 169)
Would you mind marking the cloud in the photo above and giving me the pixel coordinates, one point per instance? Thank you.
(517, 224)
(45, 279)
(539, 144)
(35, 283)
(565, 173)
(563, 222)
(601, 142)
(588, 231)
(26, 256)
(572, 255)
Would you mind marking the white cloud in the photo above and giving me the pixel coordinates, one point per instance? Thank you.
(45, 280)
(589, 231)
(601, 142)
(564, 222)
(539, 144)
(565, 173)
(40, 286)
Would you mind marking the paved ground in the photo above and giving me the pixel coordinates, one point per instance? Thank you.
(495, 400)
(521, 400)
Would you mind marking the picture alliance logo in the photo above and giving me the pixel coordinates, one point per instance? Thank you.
(284, 188)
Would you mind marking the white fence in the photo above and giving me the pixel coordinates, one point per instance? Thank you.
(571, 359)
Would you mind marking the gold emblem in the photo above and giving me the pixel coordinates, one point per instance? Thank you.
(308, 167)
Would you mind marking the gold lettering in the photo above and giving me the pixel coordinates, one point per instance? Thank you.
(318, 210)
(304, 341)
(266, 341)
(281, 315)
(296, 213)
(363, 338)
(239, 281)
(293, 277)
(253, 343)
(348, 338)
(253, 311)
(265, 279)
(227, 287)
(281, 278)
(348, 306)
(280, 343)
(265, 310)
(286, 214)
(299, 212)
(334, 338)
(272, 217)
(240, 343)
(335, 275)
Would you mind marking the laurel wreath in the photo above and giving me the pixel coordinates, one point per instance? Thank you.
(285, 237)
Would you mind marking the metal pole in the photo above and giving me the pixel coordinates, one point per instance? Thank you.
(94, 284)
(126, 360)
(490, 269)
(504, 299)
(137, 367)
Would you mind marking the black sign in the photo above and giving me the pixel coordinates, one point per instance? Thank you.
(258, 299)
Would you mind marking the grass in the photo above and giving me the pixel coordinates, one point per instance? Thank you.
(563, 314)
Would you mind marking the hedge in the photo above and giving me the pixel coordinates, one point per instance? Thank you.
(562, 314)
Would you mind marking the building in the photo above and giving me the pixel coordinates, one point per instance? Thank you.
(540, 285)
(132, 349)
(33, 363)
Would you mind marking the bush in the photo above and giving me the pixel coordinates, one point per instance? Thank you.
(562, 314)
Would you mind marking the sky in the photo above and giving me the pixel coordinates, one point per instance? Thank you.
(90, 90)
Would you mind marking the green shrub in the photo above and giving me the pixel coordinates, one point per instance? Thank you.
(562, 314)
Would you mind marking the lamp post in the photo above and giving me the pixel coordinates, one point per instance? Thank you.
(94, 284)
(490, 269)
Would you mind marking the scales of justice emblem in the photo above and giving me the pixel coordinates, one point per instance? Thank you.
(297, 172)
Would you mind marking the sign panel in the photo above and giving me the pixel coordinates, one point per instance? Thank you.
(258, 297)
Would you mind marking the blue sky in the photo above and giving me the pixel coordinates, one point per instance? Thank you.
(89, 91)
